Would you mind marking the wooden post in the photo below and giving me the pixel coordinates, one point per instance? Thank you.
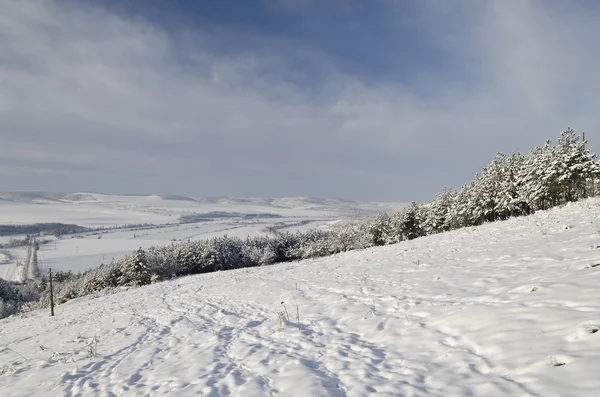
(51, 294)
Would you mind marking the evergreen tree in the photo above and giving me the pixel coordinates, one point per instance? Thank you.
(472, 205)
(507, 198)
(575, 166)
(381, 230)
(536, 179)
(489, 187)
(438, 218)
(135, 269)
(457, 216)
(412, 222)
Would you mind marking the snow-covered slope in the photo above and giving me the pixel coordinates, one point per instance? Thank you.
(506, 309)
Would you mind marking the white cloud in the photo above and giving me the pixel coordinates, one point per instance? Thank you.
(86, 89)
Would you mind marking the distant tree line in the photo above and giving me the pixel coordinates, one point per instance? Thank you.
(220, 215)
(56, 229)
(509, 186)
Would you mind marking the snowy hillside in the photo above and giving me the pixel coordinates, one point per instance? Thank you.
(510, 308)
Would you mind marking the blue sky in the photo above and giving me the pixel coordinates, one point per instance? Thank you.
(374, 100)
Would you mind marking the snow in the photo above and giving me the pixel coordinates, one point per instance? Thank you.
(510, 308)
(97, 210)
(85, 214)
(7, 267)
(104, 210)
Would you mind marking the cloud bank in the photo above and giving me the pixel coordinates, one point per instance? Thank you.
(96, 97)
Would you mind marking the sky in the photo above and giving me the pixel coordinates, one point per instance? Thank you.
(361, 99)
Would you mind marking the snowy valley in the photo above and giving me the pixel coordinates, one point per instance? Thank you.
(120, 224)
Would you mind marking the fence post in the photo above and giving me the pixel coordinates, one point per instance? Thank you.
(51, 294)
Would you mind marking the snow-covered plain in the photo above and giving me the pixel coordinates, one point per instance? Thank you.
(103, 210)
(505, 309)
(107, 211)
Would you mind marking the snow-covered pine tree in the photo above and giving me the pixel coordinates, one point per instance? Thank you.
(489, 187)
(536, 179)
(135, 269)
(380, 230)
(311, 243)
(191, 258)
(437, 215)
(457, 216)
(508, 201)
(260, 250)
(412, 221)
(527, 177)
(162, 262)
(575, 165)
(473, 207)
(229, 252)
(590, 170)
(498, 187)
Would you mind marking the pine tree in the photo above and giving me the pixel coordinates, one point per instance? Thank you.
(457, 215)
(575, 166)
(438, 218)
(474, 202)
(135, 269)
(537, 180)
(381, 230)
(489, 187)
(412, 222)
(507, 198)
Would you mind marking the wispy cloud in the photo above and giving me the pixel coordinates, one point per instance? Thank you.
(129, 104)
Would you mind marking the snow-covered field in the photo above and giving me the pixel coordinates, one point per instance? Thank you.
(506, 309)
(6, 271)
(103, 210)
(107, 211)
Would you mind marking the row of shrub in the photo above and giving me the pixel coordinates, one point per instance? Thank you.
(220, 253)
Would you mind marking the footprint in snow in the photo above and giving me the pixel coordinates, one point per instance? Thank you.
(558, 360)
(584, 330)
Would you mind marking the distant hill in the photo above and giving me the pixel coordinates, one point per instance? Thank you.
(241, 204)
